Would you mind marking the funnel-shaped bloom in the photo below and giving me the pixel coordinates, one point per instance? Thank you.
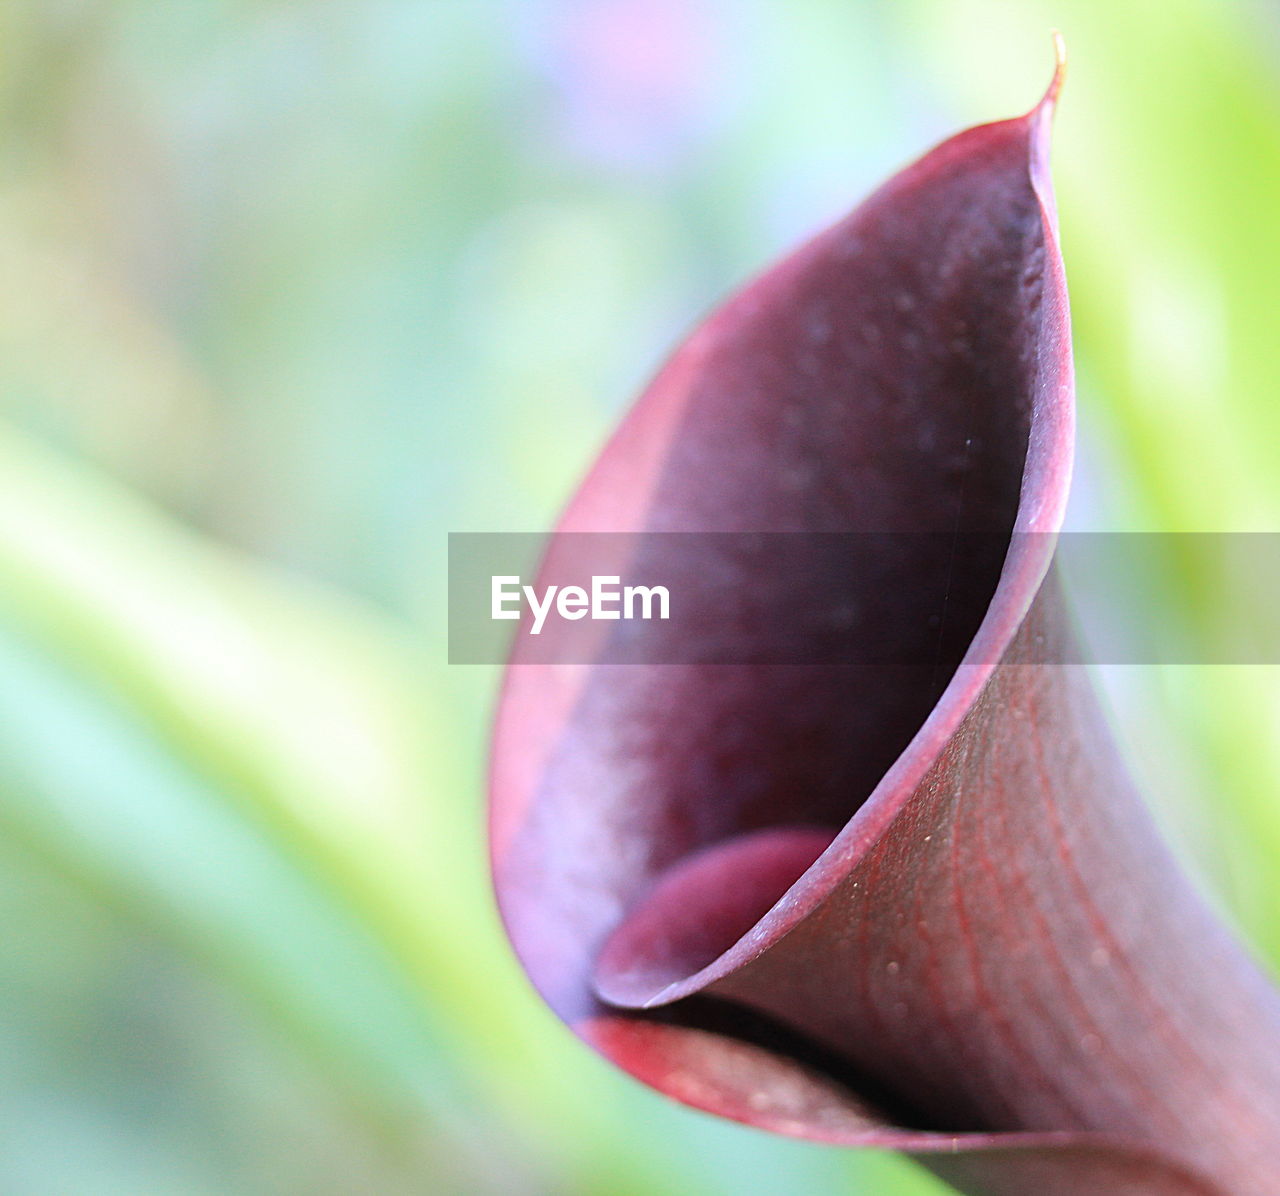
(894, 905)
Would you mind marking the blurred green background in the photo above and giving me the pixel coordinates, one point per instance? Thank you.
(290, 290)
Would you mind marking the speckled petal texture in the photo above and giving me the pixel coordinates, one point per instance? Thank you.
(898, 906)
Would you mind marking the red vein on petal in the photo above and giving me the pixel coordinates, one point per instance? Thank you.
(1031, 997)
(1023, 891)
(998, 1020)
(1164, 1024)
(951, 1042)
(964, 1057)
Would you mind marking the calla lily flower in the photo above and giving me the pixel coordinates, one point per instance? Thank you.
(909, 907)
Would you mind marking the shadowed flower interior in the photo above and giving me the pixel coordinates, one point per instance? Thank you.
(879, 381)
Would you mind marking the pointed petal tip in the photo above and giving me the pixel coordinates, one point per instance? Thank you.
(1039, 124)
(1049, 100)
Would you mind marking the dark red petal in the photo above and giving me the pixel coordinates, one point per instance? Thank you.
(889, 905)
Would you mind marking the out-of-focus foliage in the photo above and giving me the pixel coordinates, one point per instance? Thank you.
(288, 291)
